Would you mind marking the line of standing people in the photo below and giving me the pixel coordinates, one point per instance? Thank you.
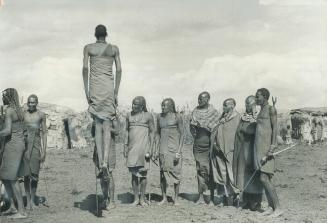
(219, 163)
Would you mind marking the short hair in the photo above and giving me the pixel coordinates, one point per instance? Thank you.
(249, 98)
(172, 104)
(265, 93)
(100, 31)
(230, 99)
(33, 96)
(205, 92)
(143, 102)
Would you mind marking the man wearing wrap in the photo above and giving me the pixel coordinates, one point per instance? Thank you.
(101, 89)
(222, 152)
(35, 122)
(264, 146)
(243, 167)
(204, 120)
(170, 142)
(138, 147)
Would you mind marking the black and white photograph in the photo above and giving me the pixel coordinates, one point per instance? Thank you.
(163, 111)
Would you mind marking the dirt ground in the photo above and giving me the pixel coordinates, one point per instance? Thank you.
(301, 182)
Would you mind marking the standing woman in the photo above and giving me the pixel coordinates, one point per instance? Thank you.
(170, 135)
(14, 148)
(139, 140)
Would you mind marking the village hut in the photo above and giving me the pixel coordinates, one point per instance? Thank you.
(309, 124)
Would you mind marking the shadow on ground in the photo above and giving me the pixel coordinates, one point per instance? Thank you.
(128, 198)
(189, 197)
(90, 204)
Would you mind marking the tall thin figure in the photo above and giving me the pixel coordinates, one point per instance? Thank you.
(264, 145)
(170, 137)
(35, 122)
(101, 90)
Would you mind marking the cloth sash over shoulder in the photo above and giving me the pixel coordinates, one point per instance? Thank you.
(205, 118)
(101, 86)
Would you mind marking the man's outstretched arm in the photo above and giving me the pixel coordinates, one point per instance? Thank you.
(85, 72)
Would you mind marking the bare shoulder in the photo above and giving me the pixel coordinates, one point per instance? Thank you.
(9, 111)
(115, 49)
(179, 116)
(149, 116)
(87, 47)
(272, 110)
(42, 114)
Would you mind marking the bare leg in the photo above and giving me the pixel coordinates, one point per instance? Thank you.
(19, 198)
(106, 142)
(105, 190)
(163, 185)
(27, 186)
(112, 190)
(201, 185)
(34, 184)
(176, 189)
(271, 194)
(212, 196)
(98, 140)
(10, 193)
(135, 186)
(143, 182)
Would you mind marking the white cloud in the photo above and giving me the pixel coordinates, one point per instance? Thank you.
(54, 80)
(168, 49)
(297, 79)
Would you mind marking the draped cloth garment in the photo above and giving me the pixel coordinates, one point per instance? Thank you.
(12, 166)
(168, 147)
(101, 87)
(138, 144)
(243, 165)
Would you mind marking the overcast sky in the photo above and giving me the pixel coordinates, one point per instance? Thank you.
(170, 49)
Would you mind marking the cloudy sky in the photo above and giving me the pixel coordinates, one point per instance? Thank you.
(170, 49)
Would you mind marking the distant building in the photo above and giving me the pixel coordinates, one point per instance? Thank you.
(309, 124)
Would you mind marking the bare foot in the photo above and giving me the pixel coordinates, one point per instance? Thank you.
(144, 203)
(30, 206)
(104, 205)
(18, 216)
(276, 213)
(10, 211)
(201, 201)
(135, 203)
(163, 202)
(267, 212)
(176, 202)
(111, 205)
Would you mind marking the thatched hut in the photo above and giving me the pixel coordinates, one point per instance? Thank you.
(309, 124)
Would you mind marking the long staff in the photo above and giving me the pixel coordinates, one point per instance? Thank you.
(263, 161)
(149, 172)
